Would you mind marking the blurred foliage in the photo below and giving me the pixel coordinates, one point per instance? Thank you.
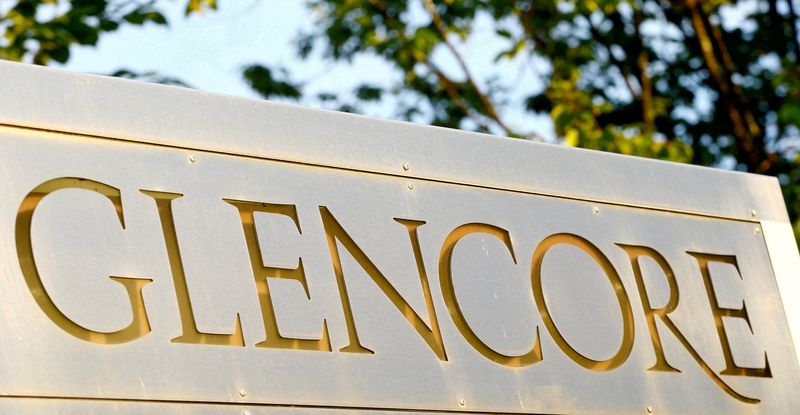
(713, 83)
(41, 31)
(198, 6)
(270, 82)
(149, 76)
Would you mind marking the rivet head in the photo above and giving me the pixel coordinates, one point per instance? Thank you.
(192, 159)
(242, 393)
(753, 213)
(649, 409)
(411, 186)
(757, 230)
(462, 402)
(595, 210)
(406, 166)
(245, 412)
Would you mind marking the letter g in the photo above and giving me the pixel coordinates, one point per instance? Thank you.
(139, 325)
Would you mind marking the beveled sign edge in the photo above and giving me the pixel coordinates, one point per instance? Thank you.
(110, 108)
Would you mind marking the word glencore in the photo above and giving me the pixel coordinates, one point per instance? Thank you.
(428, 331)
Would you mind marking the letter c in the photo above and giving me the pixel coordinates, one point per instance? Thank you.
(534, 355)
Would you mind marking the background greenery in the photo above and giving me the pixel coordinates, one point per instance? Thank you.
(713, 83)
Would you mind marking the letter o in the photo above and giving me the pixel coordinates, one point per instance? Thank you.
(622, 297)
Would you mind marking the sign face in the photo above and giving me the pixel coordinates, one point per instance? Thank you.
(144, 271)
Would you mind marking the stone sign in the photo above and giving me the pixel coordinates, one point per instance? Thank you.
(161, 247)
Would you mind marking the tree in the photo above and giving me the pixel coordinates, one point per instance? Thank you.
(42, 31)
(713, 83)
(671, 80)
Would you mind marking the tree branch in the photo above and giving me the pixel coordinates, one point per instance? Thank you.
(793, 29)
(747, 135)
(450, 87)
(624, 70)
(489, 108)
(648, 110)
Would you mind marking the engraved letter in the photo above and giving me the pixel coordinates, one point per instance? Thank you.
(191, 334)
(261, 273)
(449, 294)
(139, 326)
(635, 252)
(719, 312)
(613, 277)
(430, 334)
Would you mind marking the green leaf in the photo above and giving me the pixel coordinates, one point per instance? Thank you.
(60, 55)
(199, 6)
(503, 33)
(790, 113)
(156, 18)
(368, 92)
(109, 25)
(266, 83)
(135, 17)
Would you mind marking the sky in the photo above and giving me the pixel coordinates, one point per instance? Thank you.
(208, 52)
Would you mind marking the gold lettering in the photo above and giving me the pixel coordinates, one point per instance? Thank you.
(703, 259)
(448, 292)
(261, 274)
(139, 325)
(650, 313)
(635, 252)
(191, 334)
(616, 282)
(429, 333)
